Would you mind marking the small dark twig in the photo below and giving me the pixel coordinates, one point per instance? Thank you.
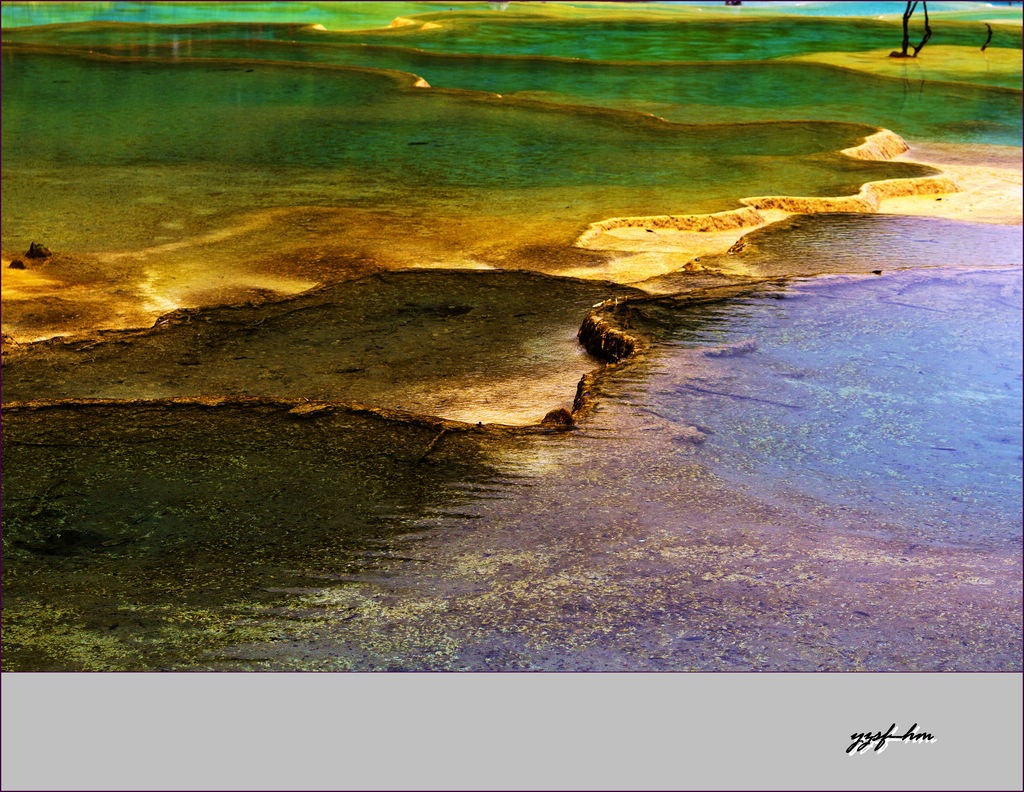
(742, 397)
(433, 445)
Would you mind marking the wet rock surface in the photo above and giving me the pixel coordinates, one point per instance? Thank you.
(420, 341)
(38, 251)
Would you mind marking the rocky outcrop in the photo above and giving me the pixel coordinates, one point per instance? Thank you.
(702, 223)
(559, 418)
(584, 395)
(602, 339)
(37, 251)
(691, 435)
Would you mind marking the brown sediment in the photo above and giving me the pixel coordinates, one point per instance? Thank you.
(612, 331)
(411, 342)
(296, 408)
(249, 256)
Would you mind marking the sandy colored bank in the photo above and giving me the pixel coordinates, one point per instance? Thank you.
(975, 183)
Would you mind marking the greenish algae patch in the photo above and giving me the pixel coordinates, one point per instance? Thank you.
(996, 66)
(137, 536)
(42, 637)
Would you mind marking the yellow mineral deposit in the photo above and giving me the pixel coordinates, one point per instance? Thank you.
(974, 183)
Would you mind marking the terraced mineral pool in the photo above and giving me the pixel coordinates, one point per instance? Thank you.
(148, 169)
(148, 536)
(820, 474)
(759, 494)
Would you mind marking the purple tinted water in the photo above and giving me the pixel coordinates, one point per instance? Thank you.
(896, 395)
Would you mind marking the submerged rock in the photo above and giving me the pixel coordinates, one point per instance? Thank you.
(66, 542)
(38, 251)
(744, 347)
(690, 434)
(559, 417)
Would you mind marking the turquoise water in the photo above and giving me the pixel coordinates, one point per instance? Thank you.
(338, 15)
(246, 135)
(721, 92)
(670, 41)
(351, 15)
(279, 118)
(490, 33)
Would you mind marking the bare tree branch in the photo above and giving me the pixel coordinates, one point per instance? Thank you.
(927, 30)
(908, 12)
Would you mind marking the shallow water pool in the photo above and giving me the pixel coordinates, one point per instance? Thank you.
(896, 394)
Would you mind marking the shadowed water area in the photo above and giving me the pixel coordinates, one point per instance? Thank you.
(275, 400)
